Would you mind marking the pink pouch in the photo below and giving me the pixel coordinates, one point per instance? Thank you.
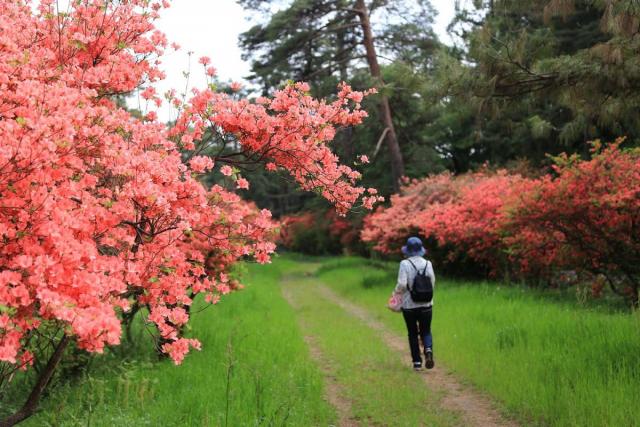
(395, 303)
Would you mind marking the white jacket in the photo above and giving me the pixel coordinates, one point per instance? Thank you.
(407, 274)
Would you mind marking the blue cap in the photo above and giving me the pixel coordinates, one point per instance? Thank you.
(413, 247)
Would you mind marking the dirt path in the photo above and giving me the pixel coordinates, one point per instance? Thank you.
(474, 408)
(334, 393)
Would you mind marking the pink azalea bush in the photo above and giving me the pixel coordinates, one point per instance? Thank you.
(581, 220)
(99, 214)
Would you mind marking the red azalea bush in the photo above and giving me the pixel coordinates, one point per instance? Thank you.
(422, 208)
(345, 230)
(471, 222)
(310, 233)
(99, 213)
(292, 225)
(388, 227)
(584, 218)
(320, 232)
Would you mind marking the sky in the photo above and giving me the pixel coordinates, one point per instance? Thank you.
(211, 28)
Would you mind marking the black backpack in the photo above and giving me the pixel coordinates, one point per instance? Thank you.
(422, 288)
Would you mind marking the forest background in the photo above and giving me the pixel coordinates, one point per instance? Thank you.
(523, 80)
(520, 88)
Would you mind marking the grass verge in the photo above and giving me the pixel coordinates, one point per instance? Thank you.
(254, 369)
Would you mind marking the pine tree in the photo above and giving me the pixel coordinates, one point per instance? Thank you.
(326, 41)
(563, 71)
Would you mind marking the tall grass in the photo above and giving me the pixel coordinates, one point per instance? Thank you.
(548, 362)
(254, 369)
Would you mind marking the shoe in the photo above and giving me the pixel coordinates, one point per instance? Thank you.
(428, 358)
(417, 366)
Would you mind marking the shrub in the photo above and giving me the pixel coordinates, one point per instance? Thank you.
(586, 219)
(103, 210)
(583, 221)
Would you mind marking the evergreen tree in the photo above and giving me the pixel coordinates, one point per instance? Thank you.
(550, 74)
(326, 41)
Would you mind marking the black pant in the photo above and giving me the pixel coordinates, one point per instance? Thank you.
(418, 322)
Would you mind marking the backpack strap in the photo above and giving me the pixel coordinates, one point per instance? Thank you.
(416, 268)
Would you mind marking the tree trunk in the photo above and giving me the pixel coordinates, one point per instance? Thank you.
(347, 134)
(31, 404)
(397, 164)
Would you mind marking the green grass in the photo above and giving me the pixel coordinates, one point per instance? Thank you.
(548, 363)
(251, 338)
(381, 389)
(546, 360)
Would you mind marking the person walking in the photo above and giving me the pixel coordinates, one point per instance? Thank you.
(416, 281)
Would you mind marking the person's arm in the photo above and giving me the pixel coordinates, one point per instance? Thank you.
(431, 274)
(401, 284)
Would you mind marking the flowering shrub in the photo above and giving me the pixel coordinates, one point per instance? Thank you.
(320, 232)
(292, 225)
(309, 233)
(458, 217)
(583, 219)
(99, 213)
(388, 228)
(471, 222)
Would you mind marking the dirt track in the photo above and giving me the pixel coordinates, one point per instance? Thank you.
(474, 408)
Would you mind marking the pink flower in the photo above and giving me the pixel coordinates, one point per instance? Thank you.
(148, 93)
(226, 170)
(242, 184)
(179, 348)
(205, 60)
(355, 96)
(235, 86)
(211, 71)
(364, 158)
(201, 164)
(212, 299)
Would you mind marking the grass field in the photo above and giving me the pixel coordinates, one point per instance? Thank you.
(549, 363)
(545, 362)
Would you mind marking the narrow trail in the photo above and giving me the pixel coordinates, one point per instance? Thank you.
(474, 408)
(334, 394)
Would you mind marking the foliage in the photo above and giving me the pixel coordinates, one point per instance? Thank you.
(549, 73)
(584, 219)
(321, 41)
(319, 233)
